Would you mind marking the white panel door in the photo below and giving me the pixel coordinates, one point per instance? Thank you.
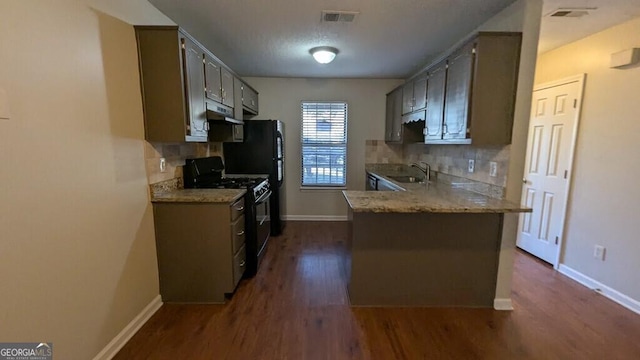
(552, 131)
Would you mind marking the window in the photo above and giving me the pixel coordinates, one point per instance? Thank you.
(324, 143)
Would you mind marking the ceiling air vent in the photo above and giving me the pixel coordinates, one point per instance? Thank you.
(338, 16)
(571, 12)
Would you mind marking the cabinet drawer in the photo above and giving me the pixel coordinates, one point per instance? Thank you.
(239, 264)
(237, 209)
(237, 234)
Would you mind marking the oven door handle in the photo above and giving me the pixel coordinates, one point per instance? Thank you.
(263, 198)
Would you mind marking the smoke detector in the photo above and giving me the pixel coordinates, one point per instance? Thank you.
(339, 16)
(571, 12)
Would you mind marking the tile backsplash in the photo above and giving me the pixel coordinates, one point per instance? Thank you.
(379, 152)
(454, 160)
(175, 155)
(446, 159)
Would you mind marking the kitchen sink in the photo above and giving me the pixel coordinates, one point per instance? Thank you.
(406, 179)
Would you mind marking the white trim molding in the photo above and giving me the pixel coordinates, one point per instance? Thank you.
(131, 329)
(315, 218)
(615, 295)
(503, 304)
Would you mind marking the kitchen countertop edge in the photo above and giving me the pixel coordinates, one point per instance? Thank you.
(198, 196)
(433, 198)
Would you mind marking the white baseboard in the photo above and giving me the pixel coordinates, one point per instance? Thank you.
(615, 295)
(503, 304)
(127, 333)
(315, 218)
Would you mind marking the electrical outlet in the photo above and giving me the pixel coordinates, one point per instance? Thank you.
(493, 169)
(163, 165)
(472, 165)
(598, 252)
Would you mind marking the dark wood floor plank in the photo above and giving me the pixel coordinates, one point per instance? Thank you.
(297, 308)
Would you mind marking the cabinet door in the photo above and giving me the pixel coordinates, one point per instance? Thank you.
(249, 98)
(227, 87)
(396, 129)
(420, 93)
(407, 98)
(435, 103)
(195, 93)
(388, 120)
(212, 78)
(456, 108)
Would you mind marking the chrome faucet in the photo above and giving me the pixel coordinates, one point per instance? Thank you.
(426, 170)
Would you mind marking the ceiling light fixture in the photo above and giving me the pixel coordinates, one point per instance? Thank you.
(324, 54)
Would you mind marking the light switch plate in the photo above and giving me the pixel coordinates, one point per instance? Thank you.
(493, 168)
(4, 106)
(599, 251)
(472, 165)
(163, 165)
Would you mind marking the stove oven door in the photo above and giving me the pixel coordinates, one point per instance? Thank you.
(263, 222)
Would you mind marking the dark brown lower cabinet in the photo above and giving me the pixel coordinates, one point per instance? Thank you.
(201, 250)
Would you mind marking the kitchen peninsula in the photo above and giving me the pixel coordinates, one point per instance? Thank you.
(433, 244)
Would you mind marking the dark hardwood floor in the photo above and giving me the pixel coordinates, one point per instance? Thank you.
(297, 308)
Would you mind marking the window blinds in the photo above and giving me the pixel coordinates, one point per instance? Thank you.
(324, 143)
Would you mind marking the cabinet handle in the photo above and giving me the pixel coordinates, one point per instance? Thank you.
(243, 263)
(445, 128)
(240, 233)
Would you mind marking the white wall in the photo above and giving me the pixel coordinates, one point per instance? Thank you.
(280, 98)
(605, 198)
(77, 251)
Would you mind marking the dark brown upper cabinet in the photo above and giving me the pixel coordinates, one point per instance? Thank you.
(435, 102)
(401, 129)
(414, 95)
(480, 90)
(393, 123)
(227, 87)
(180, 79)
(219, 82)
(172, 84)
(249, 99)
(458, 93)
(213, 76)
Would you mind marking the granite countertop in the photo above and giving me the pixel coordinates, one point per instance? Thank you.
(433, 197)
(171, 191)
(198, 195)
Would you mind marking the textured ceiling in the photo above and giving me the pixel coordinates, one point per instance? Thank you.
(388, 39)
(555, 32)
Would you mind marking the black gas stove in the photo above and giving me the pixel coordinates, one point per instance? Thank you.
(206, 173)
(233, 183)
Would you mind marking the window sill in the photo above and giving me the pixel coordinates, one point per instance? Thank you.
(324, 188)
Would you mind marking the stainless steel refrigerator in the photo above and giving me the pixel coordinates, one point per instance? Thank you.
(262, 152)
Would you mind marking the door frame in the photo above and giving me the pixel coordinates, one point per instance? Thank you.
(580, 79)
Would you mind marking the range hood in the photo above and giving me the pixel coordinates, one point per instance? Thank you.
(221, 113)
